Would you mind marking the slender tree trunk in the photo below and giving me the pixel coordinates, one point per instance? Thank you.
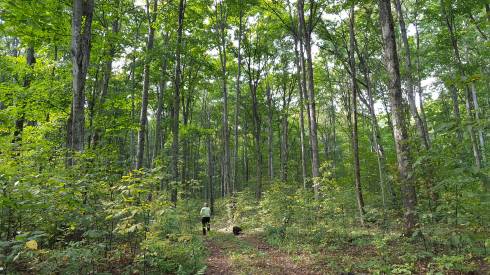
(234, 177)
(286, 99)
(376, 133)
(19, 122)
(333, 121)
(186, 111)
(221, 26)
(258, 152)
(305, 31)
(176, 102)
(246, 165)
(80, 48)
(132, 78)
(399, 124)
(301, 112)
(419, 80)
(449, 19)
(477, 116)
(159, 114)
(354, 134)
(146, 84)
(422, 132)
(210, 169)
(91, 107)
(453, 92)
(269, 133)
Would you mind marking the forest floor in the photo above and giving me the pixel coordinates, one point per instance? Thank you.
(250, 254)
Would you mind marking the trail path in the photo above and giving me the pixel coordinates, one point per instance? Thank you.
(250, 254)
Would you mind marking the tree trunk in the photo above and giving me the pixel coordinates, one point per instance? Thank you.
(477, 116)
(422, 132)
(301, 112)
(269, 133)
(159, 140)
(146, 84)
(258, 152)
(305, 31)
(354, 134)
(399, 124)
(176, 103)
(376, 133)
(449, 19)
(19, 122)
(221, 27)
(246, 166)
(80, 49)
(132, 79)
(286, 100)
(234, 177)
(210, 169)
(419, 80)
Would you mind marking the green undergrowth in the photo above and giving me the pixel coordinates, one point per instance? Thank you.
(122, 226)
(329, 234)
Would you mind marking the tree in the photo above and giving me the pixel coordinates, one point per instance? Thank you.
(151, 16)
(399, 124)
(304, 32)
(354, 135)
(81, 31)
(176, 100)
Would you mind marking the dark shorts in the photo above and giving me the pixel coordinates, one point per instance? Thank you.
(205, 220)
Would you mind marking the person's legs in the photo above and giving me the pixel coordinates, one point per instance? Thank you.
(203, 221)
(206, 223)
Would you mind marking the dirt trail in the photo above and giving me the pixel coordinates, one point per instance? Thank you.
(217, 262)
(249, 254)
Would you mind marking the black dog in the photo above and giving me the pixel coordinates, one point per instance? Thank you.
(237, 230)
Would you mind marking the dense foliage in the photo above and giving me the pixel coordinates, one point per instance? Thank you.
(355, 131)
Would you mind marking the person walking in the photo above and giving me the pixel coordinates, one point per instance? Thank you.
(205, 218)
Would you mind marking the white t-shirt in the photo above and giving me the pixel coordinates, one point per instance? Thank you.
(205, 212)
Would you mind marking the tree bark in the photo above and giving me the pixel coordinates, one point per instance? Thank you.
(286, 100)
(159, 140)
(269, 133)
(376, 133)
(449, 19)
(305, 31)
(146, 84)
(221, 17)
(80, 50)
(301, 113)
(209, 148)
(419, 79)
(19, 122)
(234, 177)
(422, 132)
(354, 134)
(176, 103)
(399, 124)
(477, 116)
(107, 73)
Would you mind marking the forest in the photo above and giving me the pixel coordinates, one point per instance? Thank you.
(340, 137)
